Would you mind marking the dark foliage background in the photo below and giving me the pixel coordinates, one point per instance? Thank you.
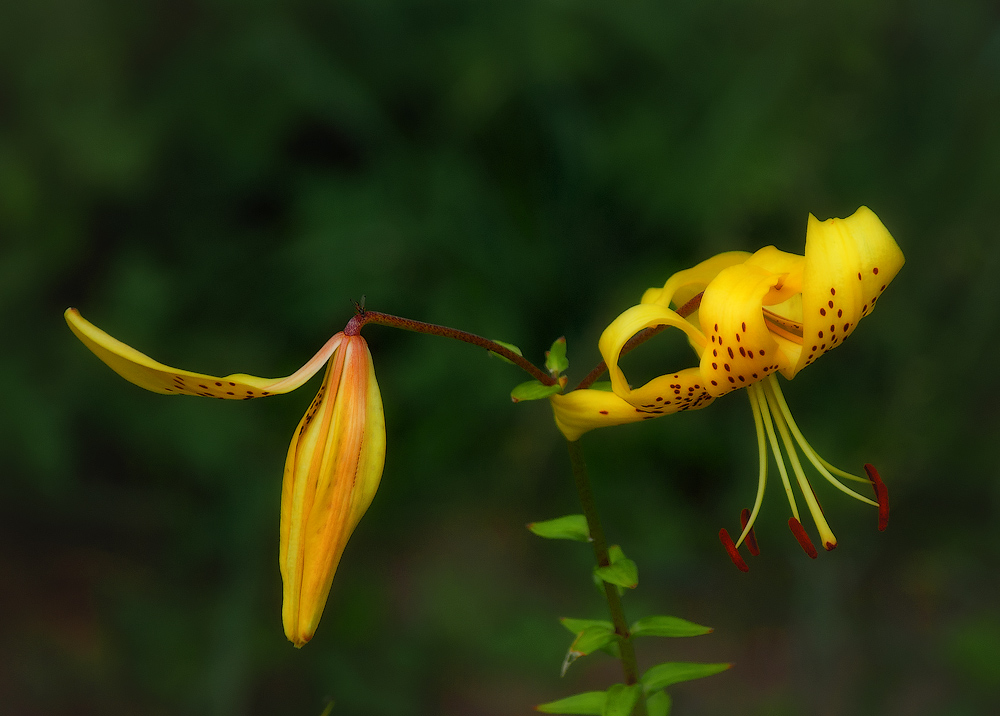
(213, 182)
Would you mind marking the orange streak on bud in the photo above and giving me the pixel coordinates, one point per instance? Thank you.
(730, 546)
(333, 468)
(751, 540)
(881, 496)
(800, 534)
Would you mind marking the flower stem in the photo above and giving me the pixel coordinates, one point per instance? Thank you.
(407, 324)
(600, 545)
(639, 338)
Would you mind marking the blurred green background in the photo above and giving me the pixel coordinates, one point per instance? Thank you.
(214, 182)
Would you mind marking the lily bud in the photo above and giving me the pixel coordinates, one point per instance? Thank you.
(332, 471)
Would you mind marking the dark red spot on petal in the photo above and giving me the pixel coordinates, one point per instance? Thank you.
(604, 412)
(727, 542)
(751, 540)
(800, 534)
(875, 270)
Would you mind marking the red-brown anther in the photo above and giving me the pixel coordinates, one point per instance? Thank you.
(727, 542)
(881, 495)
(751, 540)
(800, 534)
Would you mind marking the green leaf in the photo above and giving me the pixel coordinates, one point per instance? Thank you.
(509, 346)
(555, 358)
(667, 626)
(590, 703)
(622, 571)
(569, 527)
(621, 700)
(674, 672)
(533, 390)
(578, 625)
(604, 385)
(658, 704)
(590, 639)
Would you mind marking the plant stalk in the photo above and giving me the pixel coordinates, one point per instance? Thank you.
(407, 324)
(629, 666)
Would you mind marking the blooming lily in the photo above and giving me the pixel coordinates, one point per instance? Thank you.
(334, 462)
(761, 314)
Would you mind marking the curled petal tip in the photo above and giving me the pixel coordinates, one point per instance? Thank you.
(734, 554)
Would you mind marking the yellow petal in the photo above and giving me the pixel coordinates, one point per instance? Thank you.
(147, 373)
(333, 469)
(579, 411)
(742, 349)
(627, 325)
(848, 263)
(685, 285)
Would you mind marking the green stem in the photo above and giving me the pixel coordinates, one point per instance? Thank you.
(408, 324)
(629, 666)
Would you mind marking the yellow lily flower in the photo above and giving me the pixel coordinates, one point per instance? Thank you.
(579, 411)
(763, 314)
(334, 462)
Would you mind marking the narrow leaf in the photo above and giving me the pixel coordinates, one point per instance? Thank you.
(590, 703)
(569, 527)
(555, 358)
(667, 626)
(578, 625)
(658, 704)
(621, 699)
(674, 672)
(624, 573)
(590, 639)
(533, 390)
(509, 346)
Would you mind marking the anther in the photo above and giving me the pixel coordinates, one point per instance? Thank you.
(881, 495)
(727, 542)
(751, 539)
(800, 534)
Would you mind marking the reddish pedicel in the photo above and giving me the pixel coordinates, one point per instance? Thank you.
(881, 495)
(751, 540)
(800, 534)
(727, 542)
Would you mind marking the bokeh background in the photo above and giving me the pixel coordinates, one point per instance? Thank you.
(214, 182)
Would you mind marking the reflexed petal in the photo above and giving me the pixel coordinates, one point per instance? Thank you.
(742, 349)
(147, 373)
(333, 469)
(579, 411)
(849, 262)
(627, 325)
(685, 285)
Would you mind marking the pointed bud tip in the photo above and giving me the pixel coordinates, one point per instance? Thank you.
(734, 555)
(800, 534)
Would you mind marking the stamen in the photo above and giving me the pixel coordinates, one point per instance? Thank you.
(825, 533)
(784, 327)
(751, 538)
(762, 475)
(727, 542)
(822, 466)
(882, 494)
(800, 534)
(758, 392)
